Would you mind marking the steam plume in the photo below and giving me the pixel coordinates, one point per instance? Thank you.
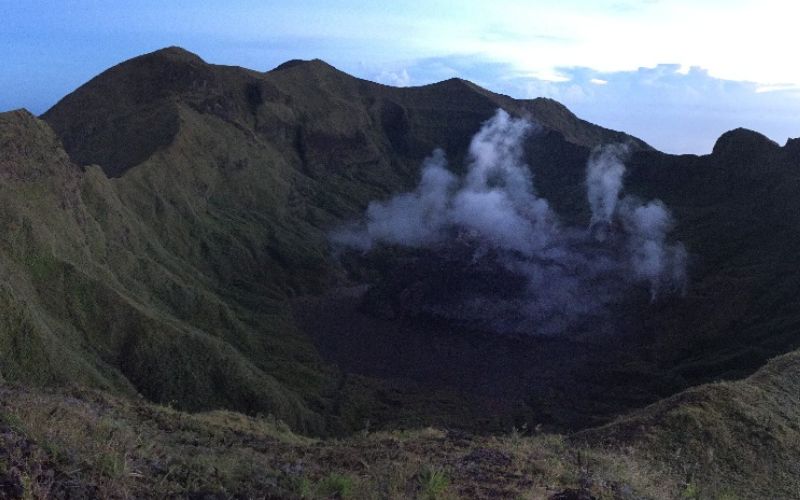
(604, 181)
(570, 274)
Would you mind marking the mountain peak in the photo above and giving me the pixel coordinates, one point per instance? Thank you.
(309, 63)
(127, 112)
(793, 146)
(28, 146)
(743, 141)
(174, 53)
(124, 115)
(458, 83)
(22, 126)
(16, 115)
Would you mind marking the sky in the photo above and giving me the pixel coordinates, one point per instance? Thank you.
(676, 73)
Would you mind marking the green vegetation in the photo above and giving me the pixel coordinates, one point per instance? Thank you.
(173, 280)
(335, 485)
(157, 226)
(720, 441)
(433, 483)
(92, 294)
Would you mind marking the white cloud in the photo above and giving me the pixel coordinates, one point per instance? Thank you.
(399, 78)
(732, 61)
(676, 109)
(776, 88)
(734, 39)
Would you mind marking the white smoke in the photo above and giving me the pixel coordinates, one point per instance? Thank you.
(604, 181)
(662, 264)
(572, 273)
(411, 219)
(495, 200)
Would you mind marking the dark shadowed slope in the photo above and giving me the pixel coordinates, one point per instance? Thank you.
(215, 189)
(158, 225)
(226, 181)
(91, 295)
(739, 216)
(739, 213)
(122, 116)
(727, 440)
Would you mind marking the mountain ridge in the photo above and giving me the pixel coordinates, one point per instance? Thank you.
(175, 72)
(261, 167)
(164, 237)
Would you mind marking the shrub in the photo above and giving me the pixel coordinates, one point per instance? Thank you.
(335, 485)
(433, 483)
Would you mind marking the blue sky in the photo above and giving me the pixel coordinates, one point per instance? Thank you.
(676, 73)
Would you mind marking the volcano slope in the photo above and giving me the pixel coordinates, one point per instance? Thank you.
(165, 225)
(201, 198)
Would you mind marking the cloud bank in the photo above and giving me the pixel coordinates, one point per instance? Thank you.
(570, 274)
(677, 109)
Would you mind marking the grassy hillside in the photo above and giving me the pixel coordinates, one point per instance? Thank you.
(92, 295)
(721, 441)
(170, 278)
(734, 439)
(161, 227)
(166, 270)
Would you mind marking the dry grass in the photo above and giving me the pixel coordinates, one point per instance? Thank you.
(117, 448)
(721, 442)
